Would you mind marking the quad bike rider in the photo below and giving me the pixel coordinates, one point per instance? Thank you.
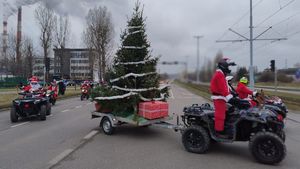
(244, 92)
(221, 94)
(85, 90)
(52, 92)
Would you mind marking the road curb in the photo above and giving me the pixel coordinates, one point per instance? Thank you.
(56, 160)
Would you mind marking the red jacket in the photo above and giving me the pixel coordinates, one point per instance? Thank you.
(243, 91)
(219, 87)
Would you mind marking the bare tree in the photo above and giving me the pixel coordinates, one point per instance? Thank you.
(98, 36)
(28, 56)
(10, 61)
(61, 35)
(45, 19)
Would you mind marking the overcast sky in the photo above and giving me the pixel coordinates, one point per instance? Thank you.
(171, 25)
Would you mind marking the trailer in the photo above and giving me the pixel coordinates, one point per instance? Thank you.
(109, 122)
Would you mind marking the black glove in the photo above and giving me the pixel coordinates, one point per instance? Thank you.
(234, 101)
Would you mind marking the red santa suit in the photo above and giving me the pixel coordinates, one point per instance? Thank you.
(221, 95)
(53, 88)
(243, 92)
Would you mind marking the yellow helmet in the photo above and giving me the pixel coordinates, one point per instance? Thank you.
(244, 80)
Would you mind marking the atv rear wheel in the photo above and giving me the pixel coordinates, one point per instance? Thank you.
(13, 115)
(43, 112)
(267, 148)
(195, 139)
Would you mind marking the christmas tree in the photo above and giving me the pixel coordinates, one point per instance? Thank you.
(133, 77)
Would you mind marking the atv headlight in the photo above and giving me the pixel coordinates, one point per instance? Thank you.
(82, 90)
(37, 101)
(17, 102)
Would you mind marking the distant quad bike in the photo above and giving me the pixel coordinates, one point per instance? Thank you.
(84, 94)
(261, 127)
(28, 105)
(273, 103)
(52, 96)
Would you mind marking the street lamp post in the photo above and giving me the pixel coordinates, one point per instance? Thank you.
(198, 53)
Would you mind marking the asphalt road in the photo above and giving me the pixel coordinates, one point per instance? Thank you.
(33, 144)
(70, 139)
(155, 148)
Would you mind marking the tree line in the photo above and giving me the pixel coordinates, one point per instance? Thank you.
(55, 32)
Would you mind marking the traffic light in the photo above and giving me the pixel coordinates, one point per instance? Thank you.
(272, 65)
(47, 64)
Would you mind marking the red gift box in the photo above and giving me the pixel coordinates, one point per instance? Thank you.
(153, 110)
(164, 109)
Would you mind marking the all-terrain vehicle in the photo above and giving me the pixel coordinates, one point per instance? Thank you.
(52, 96)
(261, 127)
(84, 93)
(276, 105)
(30, 104)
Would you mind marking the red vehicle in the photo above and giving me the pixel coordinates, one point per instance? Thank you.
(52, 93)
(85, 93)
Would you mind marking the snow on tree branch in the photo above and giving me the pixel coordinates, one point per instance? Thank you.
(133, 75)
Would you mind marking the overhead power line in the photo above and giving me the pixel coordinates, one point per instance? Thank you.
(273, 14)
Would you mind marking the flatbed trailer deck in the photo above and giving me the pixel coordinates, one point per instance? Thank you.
(109, 122)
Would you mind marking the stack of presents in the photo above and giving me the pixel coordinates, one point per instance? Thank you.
(153, 109)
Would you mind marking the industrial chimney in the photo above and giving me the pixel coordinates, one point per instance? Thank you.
(19, 36)
(4, 38)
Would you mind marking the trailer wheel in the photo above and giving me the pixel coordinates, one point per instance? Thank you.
(106, 126)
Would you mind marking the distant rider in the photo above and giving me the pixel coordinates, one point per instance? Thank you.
(221, 93)
(33, 85)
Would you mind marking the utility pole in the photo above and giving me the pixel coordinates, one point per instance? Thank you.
(251, 71)
(251, 40)
(198, 53)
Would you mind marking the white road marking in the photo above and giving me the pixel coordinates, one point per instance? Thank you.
(78, 106)
(91, 134)
(172, 94)
(65, 110)
(17, 125)
(60, 157)
(89, 103)
(67, 152)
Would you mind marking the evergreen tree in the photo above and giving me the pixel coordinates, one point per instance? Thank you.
(133, 77)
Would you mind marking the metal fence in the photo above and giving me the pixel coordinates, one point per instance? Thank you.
(11, 81)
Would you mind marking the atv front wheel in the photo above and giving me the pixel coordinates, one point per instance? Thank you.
(43, 112)
(13, 115)
(53, 102)
(195, 139)
(48, 109)
(81, 97)
(267, 148)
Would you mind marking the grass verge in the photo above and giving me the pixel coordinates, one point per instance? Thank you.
(6, 99)
(291, 100)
